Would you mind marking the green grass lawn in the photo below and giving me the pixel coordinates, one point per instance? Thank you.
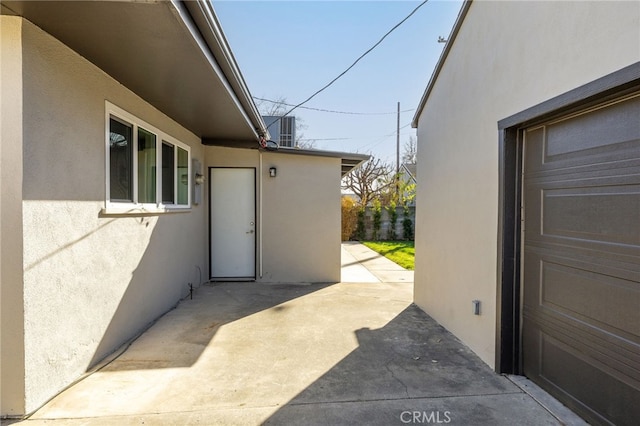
(401, 252)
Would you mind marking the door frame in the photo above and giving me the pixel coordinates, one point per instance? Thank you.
(255, 215)
(509, 286)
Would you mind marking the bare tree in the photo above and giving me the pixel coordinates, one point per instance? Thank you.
(278, 107)
(301, 141)
(369, 180)
(410, 151)
(273, 108)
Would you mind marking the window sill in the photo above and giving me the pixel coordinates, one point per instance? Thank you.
(135, 211)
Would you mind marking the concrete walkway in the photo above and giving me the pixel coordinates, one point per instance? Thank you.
(322, 354)
(363, 265)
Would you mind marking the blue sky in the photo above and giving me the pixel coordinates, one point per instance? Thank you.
(290, 49)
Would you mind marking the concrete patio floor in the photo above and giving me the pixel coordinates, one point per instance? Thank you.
(354, 352)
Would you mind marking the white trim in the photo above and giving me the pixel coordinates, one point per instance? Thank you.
(107, 158)
(134, 207)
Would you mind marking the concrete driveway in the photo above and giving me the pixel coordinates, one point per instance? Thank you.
(347, 353)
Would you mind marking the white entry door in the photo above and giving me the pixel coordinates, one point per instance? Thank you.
(232, 201)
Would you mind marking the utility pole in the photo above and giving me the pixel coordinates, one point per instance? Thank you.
(398, 154)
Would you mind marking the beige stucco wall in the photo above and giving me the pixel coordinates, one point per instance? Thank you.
(11, 295)
(90, 282)
(299, 223)
(301, 219)
(508, 56)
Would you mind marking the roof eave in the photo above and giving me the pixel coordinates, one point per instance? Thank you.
(172, 54)
(348, 161)
(206, 20)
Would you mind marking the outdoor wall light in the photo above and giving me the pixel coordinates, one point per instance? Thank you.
(199, 179)
(272, 171)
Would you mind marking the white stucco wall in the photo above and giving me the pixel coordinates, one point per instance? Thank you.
(508, 56)
(300, 225)
(11, 300)
(90, 282)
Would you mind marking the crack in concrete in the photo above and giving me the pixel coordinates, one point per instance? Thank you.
(235, 407)
(410, 398)
(406, 388)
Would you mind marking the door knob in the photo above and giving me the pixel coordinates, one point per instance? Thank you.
(250, 232)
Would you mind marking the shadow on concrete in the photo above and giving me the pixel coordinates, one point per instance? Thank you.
(359, 262)
(409, 359)
(178, 338)
(161, 281)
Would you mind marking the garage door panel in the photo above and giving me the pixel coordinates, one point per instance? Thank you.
(585, 382)
(534, 155)
(615, 356)
(598, 220)
(590, 139)
(581, 260)
(622, 260)
(594, 157)
(605, 214)
(589, 297)
(616, 173)
(606, 263)
(578, 303)
(596, 129)
(621, 171)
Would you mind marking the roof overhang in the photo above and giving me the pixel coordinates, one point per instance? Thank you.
(172, 54)
(443, 57)
(348, 161)
(411, 170)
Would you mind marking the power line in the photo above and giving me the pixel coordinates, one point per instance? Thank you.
(325, 139)
(383, 138)
(356, 61)
(377, 141)
(331, 110)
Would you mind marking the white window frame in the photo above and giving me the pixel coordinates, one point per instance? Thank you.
(120, 207)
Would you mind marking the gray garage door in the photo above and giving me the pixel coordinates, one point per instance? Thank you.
(581, 260)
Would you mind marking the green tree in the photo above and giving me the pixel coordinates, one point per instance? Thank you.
(407, 224)
(349, 218)
(392, 212)
(361, 232)
(377, 219)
